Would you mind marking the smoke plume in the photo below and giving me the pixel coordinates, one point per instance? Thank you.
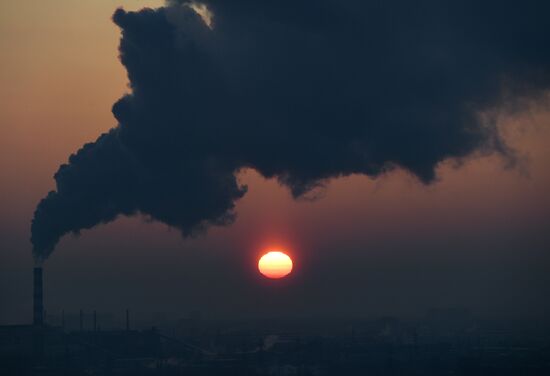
(300, 91)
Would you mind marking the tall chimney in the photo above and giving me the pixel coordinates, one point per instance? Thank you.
(38, 315)
(81, 320)
(38, 304)
(127, 319)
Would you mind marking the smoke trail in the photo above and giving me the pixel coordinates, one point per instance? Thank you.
(301, 91)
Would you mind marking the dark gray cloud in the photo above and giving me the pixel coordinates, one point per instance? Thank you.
(302, 91)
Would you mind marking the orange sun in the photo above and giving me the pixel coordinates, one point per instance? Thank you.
(275, 264)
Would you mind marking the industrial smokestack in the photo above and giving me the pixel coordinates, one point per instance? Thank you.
(127, 319)
(38, 304)
(38, 315)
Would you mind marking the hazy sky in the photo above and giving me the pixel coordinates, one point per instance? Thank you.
(477, 238)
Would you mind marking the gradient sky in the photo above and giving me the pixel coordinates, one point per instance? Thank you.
(476, 238)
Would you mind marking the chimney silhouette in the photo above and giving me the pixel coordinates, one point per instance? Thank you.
(127, 319)
(95, 321)
(38, 316)
(38, 304)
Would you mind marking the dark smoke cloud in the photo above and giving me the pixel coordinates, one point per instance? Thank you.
(301, 91)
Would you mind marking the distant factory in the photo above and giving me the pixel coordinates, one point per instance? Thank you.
(444, 342)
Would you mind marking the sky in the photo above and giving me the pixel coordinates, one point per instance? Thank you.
(475, 236)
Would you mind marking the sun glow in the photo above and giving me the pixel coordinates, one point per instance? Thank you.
(275, 264)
